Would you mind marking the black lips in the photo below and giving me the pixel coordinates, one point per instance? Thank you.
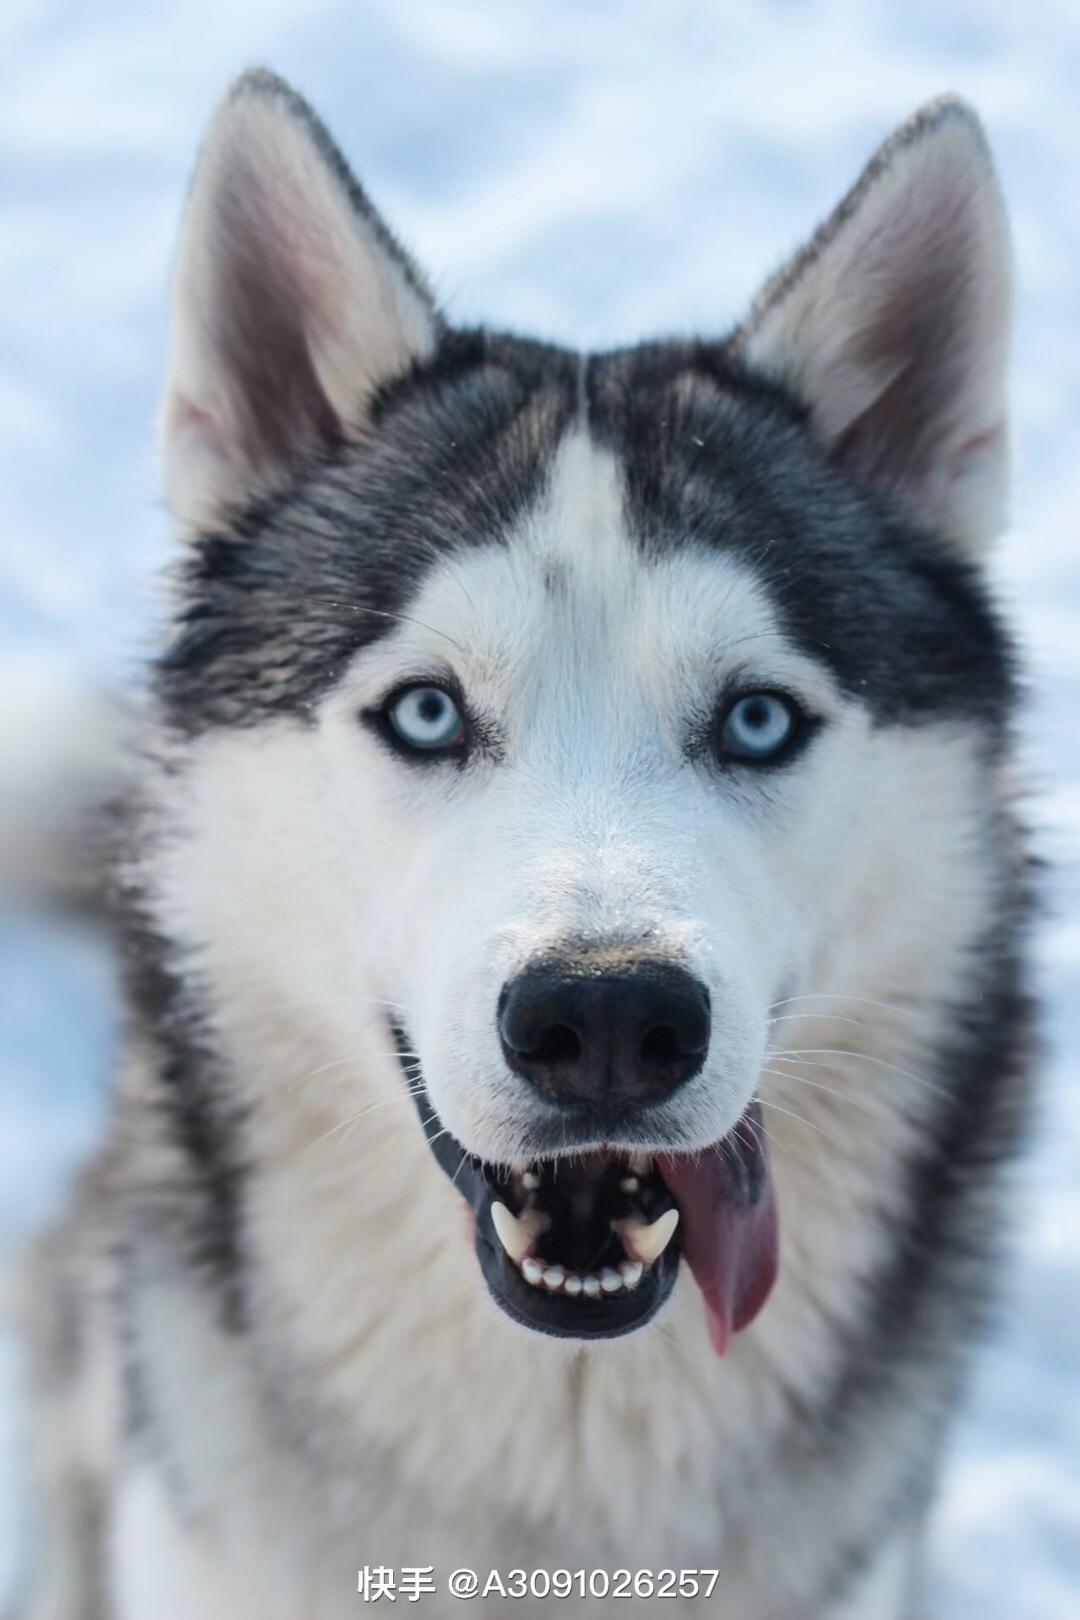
(607, 1317)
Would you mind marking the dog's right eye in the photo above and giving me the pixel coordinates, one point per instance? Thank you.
(425, 720)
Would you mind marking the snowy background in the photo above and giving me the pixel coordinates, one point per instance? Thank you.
(593, 172)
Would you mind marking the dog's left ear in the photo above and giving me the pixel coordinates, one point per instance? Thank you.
(292, 306)
(893, 326)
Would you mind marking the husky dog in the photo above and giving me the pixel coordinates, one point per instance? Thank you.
(573, 917)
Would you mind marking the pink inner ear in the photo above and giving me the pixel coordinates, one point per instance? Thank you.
(187, 417)
(978, 445)
(260, 308)
(292, 304)
(207, 446)
(893, 325)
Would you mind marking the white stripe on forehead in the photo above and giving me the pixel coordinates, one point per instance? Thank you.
(580, 518)
(571, 594)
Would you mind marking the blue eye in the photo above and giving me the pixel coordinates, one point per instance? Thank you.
(426, 718)
(759, 727)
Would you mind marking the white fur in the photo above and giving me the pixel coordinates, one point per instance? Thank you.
(317, 879)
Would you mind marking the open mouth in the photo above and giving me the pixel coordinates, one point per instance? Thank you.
(588, 1245)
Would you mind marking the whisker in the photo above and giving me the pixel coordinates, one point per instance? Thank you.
(462, 1162)
(801, 1079)
(340, 1063)
(751, 1125)
(381, 613)
(864, 1001)
(787, 1150)
(861, 1057)
(384, 1001)
(354, 1119)
(834, 1018)
(765, 1103)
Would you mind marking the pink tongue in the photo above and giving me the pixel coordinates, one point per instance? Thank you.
(728, 1221)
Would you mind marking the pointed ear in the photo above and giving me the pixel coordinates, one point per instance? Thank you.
(292, 305)
(893, 326)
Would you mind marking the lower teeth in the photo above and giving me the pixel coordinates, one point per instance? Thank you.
(557, 1280)
(561, 1282)
(643, 1242)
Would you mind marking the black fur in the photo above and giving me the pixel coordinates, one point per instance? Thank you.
(717, 457)
(275, 605)
(201, 1209)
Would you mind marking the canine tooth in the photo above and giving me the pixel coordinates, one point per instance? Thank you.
(590, 1285)
(630, 1272)
(610, 1281)
(648, 1242)
(572, 1285)
(514, 1235)
(629, 1184)
(640, 1163)
(553, 1276)
(532, 1270)
(530, 1180)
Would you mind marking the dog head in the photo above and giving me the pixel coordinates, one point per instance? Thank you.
(554, 719)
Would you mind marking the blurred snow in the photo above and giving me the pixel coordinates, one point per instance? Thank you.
(594, 173)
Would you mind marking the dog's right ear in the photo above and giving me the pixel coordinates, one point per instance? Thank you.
(292, 305)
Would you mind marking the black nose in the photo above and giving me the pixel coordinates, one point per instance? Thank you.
(629, 1034)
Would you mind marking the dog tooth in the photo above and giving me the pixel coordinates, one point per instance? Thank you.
(630, 1272)
(530, 1180)
(610, 1281)
(640, 1163)
(572, 1285)
(514, 1235)
(532, 1270)
(590, 1285)
(647, 1242)
(629, 1184)
(554, 1276)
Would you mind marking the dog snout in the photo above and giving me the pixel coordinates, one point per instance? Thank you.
(610, 1035)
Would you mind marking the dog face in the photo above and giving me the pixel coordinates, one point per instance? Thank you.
(556, 718)
(620, 750)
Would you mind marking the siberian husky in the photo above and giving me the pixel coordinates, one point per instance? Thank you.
(572, 913)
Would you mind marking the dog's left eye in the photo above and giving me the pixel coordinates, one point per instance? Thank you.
(758, 727)
(425, 718)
